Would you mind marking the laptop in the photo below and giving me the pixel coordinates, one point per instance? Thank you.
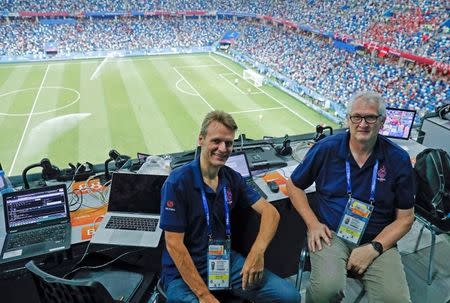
(399, 123)
(142, 157)
(132, 218)
(238, 162)
(37, 222)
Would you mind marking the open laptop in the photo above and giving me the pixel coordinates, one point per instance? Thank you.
(37, 222)
(238, 162)
(398, 124)
(132, 218)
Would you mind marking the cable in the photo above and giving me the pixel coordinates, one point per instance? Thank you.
(86, 251)
(102, 265)
(298, 152)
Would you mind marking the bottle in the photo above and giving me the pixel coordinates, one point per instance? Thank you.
(5, 183)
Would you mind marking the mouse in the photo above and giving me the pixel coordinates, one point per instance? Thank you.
(273, 186)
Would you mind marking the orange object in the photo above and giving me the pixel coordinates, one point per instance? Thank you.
(87, 215)
(278, 178)
(88, 231)
(82, 187)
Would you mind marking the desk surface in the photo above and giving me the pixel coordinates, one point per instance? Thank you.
(412, 147)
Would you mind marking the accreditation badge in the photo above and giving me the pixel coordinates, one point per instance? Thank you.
(219, 264)
(354, 221)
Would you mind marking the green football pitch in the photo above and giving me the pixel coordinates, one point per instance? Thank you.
(79, 110)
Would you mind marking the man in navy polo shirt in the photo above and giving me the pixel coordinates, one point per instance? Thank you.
(364, 205)
(195, 206)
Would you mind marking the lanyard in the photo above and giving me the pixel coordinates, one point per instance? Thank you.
(373, 185)
(227, 213)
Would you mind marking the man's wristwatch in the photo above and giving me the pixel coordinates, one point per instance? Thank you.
(377, 246)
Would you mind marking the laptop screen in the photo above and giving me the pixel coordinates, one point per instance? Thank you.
(135, 193)
(142, 157)
(238, 162)
(398, 124)
(36, 206)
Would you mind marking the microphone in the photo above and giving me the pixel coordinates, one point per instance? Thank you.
(319, 132)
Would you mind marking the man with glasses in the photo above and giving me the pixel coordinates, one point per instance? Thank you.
(363, 206)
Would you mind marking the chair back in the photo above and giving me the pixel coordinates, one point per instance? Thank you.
(52, 289)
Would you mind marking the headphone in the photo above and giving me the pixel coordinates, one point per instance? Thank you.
(284, 149)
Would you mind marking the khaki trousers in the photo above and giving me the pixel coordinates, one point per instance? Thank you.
(384, 280)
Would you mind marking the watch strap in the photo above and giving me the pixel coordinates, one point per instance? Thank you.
(377, 246)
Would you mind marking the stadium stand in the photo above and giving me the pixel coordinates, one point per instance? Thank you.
(293, 38)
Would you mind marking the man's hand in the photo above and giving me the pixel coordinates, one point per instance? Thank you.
(361, 258)
(316, 234)
(208, 298)
(253, 269)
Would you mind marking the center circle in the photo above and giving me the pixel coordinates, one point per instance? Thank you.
(70, 102)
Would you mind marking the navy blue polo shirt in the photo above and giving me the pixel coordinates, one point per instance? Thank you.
(182, 211)
(325, 165)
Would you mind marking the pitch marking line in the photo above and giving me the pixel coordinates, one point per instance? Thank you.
(198, 66)
(28, 121)
(182, 90)
(256, 110)
(233, 85)
(43, 112)
(237, 87)
(190, 85)
(270, 96)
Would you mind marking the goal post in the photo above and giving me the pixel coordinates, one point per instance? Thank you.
(253, 77)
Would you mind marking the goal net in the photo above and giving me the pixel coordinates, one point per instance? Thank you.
(253, 77)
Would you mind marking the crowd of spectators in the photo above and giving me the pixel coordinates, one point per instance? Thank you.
(337, 74)
(29, 37)
(403, 24)
(309, 60)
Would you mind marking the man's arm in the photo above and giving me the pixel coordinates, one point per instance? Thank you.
(317, 231)
(185, 265)
(254, 263)
(361, 257)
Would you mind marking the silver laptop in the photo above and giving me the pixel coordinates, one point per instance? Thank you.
(132, 218)
(37, 222)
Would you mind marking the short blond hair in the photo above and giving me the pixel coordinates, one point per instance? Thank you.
(218, 116)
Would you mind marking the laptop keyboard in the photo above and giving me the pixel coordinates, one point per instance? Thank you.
(132, 223)
(45, 234)
(251, 183)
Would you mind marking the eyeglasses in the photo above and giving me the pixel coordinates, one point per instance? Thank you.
(370, 119)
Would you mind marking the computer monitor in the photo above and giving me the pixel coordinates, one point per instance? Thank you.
(36, 206)
(142, 157)
(238, 162)
(398, 124)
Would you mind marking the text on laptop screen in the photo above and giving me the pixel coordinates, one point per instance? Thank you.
(40, 206)
(136, 193)
(239, 164)
(398, 124)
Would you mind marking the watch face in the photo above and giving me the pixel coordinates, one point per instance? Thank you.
(378, 247)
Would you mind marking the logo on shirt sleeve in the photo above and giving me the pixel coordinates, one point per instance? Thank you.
(170, 205)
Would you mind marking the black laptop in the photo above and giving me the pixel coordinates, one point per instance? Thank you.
(37, 222)
(238, 162)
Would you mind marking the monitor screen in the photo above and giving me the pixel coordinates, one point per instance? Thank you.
(142, 157)
(132, 192)
(34, 206)
(398, 124)
(238, 162)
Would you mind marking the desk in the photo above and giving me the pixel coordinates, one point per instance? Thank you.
(281, 256)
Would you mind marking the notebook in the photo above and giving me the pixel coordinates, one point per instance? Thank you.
(132, 218)
(37, 222)
(398, 124)
(238, 162)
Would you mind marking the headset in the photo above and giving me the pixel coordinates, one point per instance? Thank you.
(284, 149)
